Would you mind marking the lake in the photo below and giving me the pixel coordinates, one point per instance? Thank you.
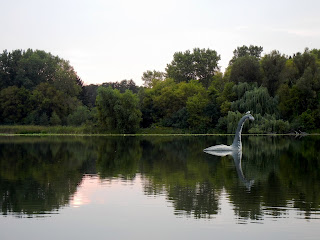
(159, 188)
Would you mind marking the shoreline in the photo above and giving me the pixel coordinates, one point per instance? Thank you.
(147, 134)
(33, 130)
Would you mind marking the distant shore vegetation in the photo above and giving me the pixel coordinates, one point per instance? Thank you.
(39, 91)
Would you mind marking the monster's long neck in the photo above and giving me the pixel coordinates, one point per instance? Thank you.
(237, 138)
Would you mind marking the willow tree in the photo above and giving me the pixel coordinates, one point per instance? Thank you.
(257, 100)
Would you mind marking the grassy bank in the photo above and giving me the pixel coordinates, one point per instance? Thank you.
(61, 130)
(90, 130)
(31, 129)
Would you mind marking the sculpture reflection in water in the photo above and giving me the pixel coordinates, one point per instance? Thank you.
(234, 150)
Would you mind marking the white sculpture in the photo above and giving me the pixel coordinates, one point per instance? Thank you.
(235, 150)
(223, 150)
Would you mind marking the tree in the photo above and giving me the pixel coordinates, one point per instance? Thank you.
(304, 61)
(107, 99)
(47, 99)
(269, 124)
(196, 106)
(148, 110)
(150, 78)
(169, 97)
(225, 98)
(258, 101)
(79, 116)
(30, 68)
(89, 94)
(54, 119)
(212, 110)
(253, 51)
(128, 113)
(272, 66)
(35, 67)
(228, 123)
(245, 69)
(218, 83)
(201, 64)
(301, 96)
(51, 83)
(306, 121)
(15, 104)
(118, 111)
(123, 86)
(9, 68)
(241, 89)
(66, 80)
(164, 98)
(309, 87)
(44, 120)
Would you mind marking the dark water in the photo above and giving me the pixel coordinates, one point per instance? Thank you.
(159, 188)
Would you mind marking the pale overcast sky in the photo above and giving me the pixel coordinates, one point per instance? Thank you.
(108, 41)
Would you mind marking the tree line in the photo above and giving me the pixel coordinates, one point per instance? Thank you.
(192, 95)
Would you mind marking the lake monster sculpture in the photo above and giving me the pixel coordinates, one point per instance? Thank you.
(234, 150)
(236, 145)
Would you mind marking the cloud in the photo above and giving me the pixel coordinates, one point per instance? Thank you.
(240, 28)
(299, 32)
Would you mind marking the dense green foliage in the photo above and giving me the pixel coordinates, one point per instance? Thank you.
(36, 87)
(283, 93)
(118, 111)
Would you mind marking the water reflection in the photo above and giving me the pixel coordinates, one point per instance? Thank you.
(41, 175)
(237, 156)
(37, 177)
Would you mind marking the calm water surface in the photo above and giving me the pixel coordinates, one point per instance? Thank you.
(159, 188)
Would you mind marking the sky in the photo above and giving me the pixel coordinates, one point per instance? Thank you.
(109, 41)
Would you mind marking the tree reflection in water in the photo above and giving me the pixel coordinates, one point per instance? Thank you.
(38, 176)
(41, 174)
